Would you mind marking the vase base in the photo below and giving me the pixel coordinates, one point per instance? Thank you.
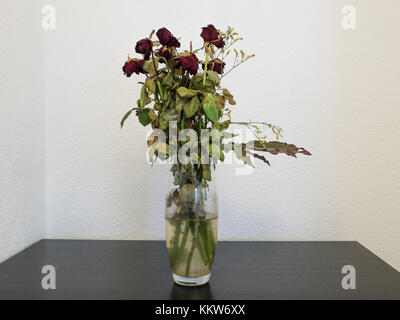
(191, 281)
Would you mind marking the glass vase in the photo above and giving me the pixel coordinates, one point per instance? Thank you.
(191, 220)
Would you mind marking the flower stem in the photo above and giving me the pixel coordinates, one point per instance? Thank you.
(205, 68)
(190, 257)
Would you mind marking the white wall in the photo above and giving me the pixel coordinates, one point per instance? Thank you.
(99, 184)
(333, 91)
(22, 164)
(368, 133)
(325, 86)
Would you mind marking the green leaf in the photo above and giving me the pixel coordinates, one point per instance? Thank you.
(214, 152)
(143, 96)
(221, 156)
(186, 93)
(144, 117)
(210, 107)
(191, 107)
(170, 115)
(126, 117)
(180, 102)
(168, 81)
(213, 76)
(197, 83)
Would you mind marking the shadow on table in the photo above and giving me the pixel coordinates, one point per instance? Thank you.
(191, 293)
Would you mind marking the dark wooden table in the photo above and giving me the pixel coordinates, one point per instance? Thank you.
(91, 269)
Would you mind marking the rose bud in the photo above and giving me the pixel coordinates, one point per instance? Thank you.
(189, 63)
(167, 39)
(217, 66)
(209, 33)
(220, 43)
(164, 52)
(133, 65)
(144, 47)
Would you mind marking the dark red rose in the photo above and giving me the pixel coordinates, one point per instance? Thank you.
(164, 52)
(144, 47)
(220, 43)
(133, 65)
(189, 63)
(217, 66)
(209, 33)
(167, 39)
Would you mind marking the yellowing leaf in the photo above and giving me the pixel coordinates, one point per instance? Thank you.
(186, 93)
(151, 85)
(213, 76)
(143, 97)
(148, 66)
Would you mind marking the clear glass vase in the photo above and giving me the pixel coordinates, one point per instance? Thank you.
(191, 214)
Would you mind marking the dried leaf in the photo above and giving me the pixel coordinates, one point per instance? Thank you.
(228, 96)
(220, 102)
(260, 157)
(152, 115)
(276, 147)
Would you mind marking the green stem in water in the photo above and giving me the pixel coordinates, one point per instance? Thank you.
(190, 257)
(202, 242)
(184, 238)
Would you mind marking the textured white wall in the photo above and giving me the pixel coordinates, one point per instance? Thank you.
(99, 184)
(368, 175)
(333, 91)
(22, 164)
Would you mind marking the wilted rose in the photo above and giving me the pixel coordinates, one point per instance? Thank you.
(209, 33)
(133, 65)
(220, 43)
(144, 47)
(217, 66)
(167, 39)
(164, 52)
(189, 63)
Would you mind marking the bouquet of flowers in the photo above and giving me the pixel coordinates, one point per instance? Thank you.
(188, 108)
